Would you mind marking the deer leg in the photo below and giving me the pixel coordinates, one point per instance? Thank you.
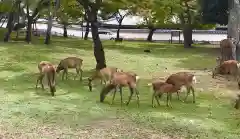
(77, 71)
(160, 95)
(188, 91)
(137, 95)
(90, 84)
(130, 97)
(41, 81)
(63, 74)
(120, 90)
(167, 99)
(157, 99)
(193, 93)
(66, 73)
(170, 99)
(153, 96)
(114, 93)
(178, 95)
(105, 82)
(37, 82)
(81, 76)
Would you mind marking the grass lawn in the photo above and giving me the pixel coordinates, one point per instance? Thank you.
(77, 113)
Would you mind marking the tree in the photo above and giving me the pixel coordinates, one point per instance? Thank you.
(51, 14)
(69, 11)
(91, 9)
(148, 11)
(11, 13)
(117, 9)
(154, 13)
(214, 11)
(87, 26)
(186, 12)
(31, 17)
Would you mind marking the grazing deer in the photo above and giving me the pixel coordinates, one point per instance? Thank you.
(70, 62)
(186, 79)
(46, 68)
(160, 87)
(105, 75)
(230, 67)
(121, 79)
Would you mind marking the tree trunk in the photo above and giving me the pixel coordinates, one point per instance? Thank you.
(118, 30)
(9, 27)
(98, 48)
(87, 31)
(49, 28)
(29, 25)
(187, 34)
(65, 35)
(19, 10)
(29, 30)
(150, 34)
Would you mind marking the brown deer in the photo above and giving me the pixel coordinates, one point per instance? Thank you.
(70, 62)
(121, 79)
(230, 67)
(105, 75)
(186, 79)
(160, 87)
(46, 68)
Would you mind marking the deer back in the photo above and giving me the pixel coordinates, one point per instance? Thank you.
(122, 78)
(180, 79)
(71, 62)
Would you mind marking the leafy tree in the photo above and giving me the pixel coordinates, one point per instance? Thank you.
(51, 13)
(187, 13)
(215, 11)
(87, 26)
(38, 7)
(11, 13)
(69, 11)
(117, 9)
(154, 13)
(91, 9)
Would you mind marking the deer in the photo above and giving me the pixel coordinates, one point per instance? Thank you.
(121, 79)
(160, 87)
(230, 67)
(186, 79)
(47, 69)
(68, 63)
(105, 75)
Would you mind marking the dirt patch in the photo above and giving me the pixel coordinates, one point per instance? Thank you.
(120, 128)
(101, 129)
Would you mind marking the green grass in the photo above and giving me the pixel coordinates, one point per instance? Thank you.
(77, 113)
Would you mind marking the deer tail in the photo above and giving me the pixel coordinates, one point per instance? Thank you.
(238, 65)
(194, 79)
(105, 91)
(149, 84)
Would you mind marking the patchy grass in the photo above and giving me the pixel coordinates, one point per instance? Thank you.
(76, 113)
